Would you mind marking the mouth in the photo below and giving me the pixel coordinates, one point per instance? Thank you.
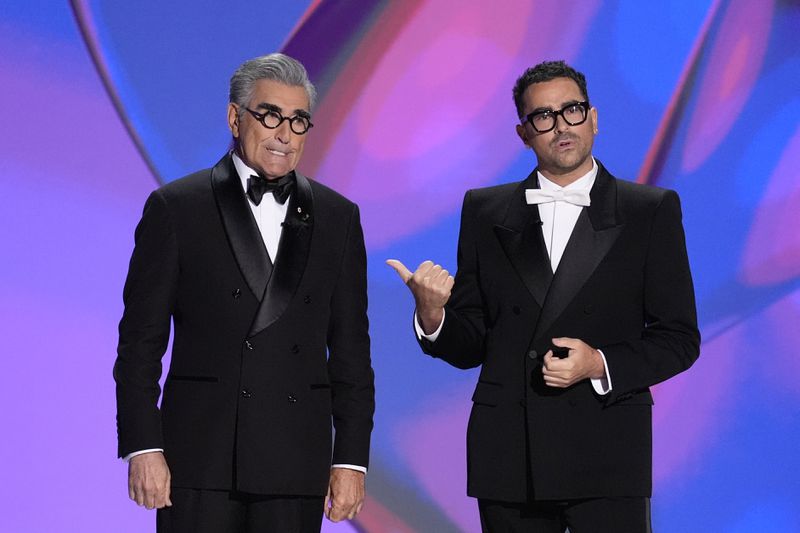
(277, 152)
(563, 143)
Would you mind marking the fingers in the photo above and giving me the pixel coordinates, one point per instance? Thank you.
(404, 273)
(327, 505)
(430, 284)
(582, 363)
(149, 481)
(556, 372)
(346, 494)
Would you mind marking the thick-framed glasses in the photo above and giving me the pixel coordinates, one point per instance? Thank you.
(271, 119)
(573, 114)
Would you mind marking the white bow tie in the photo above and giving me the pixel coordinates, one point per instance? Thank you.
(573, 196)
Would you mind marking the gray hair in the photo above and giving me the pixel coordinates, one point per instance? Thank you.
(276, 67)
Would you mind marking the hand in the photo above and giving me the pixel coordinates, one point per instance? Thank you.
(583, 362)
(431, 285)
(149, 480)
(345, 494)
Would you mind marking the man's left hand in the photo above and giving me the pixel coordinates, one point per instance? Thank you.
(345, 494)
(583, 362)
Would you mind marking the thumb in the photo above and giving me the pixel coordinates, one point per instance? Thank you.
(565, 342)
(404, 273)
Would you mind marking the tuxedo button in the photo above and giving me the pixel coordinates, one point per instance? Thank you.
(295, 349)
(307, 299)
(572, 402)
(248, 345)
(246, 393)
(516, 309)
(291, 398)
(588, 310)
(236, 293)
(533, 354)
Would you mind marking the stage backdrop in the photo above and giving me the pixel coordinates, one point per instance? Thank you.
(102, 101)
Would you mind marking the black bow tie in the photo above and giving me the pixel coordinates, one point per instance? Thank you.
(280, 188)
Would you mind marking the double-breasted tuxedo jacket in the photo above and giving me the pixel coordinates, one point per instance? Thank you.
(264, 358)
(623, 286)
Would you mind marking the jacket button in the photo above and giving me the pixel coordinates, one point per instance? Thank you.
(248, 345)
(307, 299)
(246, 393)
(295, 349)
(588, 310)
(572, 402)
(291, 398)
(533, 354)
(236, 293)
(516, 309)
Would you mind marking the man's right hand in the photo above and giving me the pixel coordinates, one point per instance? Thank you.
(431, 285)
(149, 480)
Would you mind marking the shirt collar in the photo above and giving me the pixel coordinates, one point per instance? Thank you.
(242, 169)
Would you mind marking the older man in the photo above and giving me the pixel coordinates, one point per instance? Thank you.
(573, 294)
(263, 274)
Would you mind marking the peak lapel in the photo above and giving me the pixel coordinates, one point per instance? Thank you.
(595, 232)
(240, 226)
(520, 235)
(292, 256)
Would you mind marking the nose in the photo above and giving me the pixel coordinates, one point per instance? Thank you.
(561, 124)
(283, 132)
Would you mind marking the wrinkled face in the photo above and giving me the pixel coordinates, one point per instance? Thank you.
(271, 152)
(564, 153)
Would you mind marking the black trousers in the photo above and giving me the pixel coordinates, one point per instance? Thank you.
(220, 511)
(593, 515)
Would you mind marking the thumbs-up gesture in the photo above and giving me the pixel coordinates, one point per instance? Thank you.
(431, 285)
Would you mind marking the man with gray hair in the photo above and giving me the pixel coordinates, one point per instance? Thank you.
(263, 274)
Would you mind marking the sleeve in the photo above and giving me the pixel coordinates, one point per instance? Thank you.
(670, 339)
(460, 341)
(422, 335)
(149, 297)
(349, 365)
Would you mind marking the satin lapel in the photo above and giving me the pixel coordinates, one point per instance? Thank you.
(520, 235)
(240, 226)
(595, 232)
(292, 256)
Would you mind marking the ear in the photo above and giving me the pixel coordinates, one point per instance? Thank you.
(522, 131)
(593, 116)
(233, 119)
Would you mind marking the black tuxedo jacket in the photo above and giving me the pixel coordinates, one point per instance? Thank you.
(263, 358)
(623, 286)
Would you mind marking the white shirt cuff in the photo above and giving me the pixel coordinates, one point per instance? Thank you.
(602, 386)
(361, 469)
(140, 452)
(421, 334)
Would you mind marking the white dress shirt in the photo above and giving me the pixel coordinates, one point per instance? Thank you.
(269, 215)
(558, 221)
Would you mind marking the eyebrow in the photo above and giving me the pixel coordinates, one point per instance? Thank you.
(565, 104)
(272, 107)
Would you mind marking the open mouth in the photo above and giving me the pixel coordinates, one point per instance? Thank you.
(276, 152)
(563, 144)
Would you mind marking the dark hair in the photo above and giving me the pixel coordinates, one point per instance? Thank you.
(546, 71)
